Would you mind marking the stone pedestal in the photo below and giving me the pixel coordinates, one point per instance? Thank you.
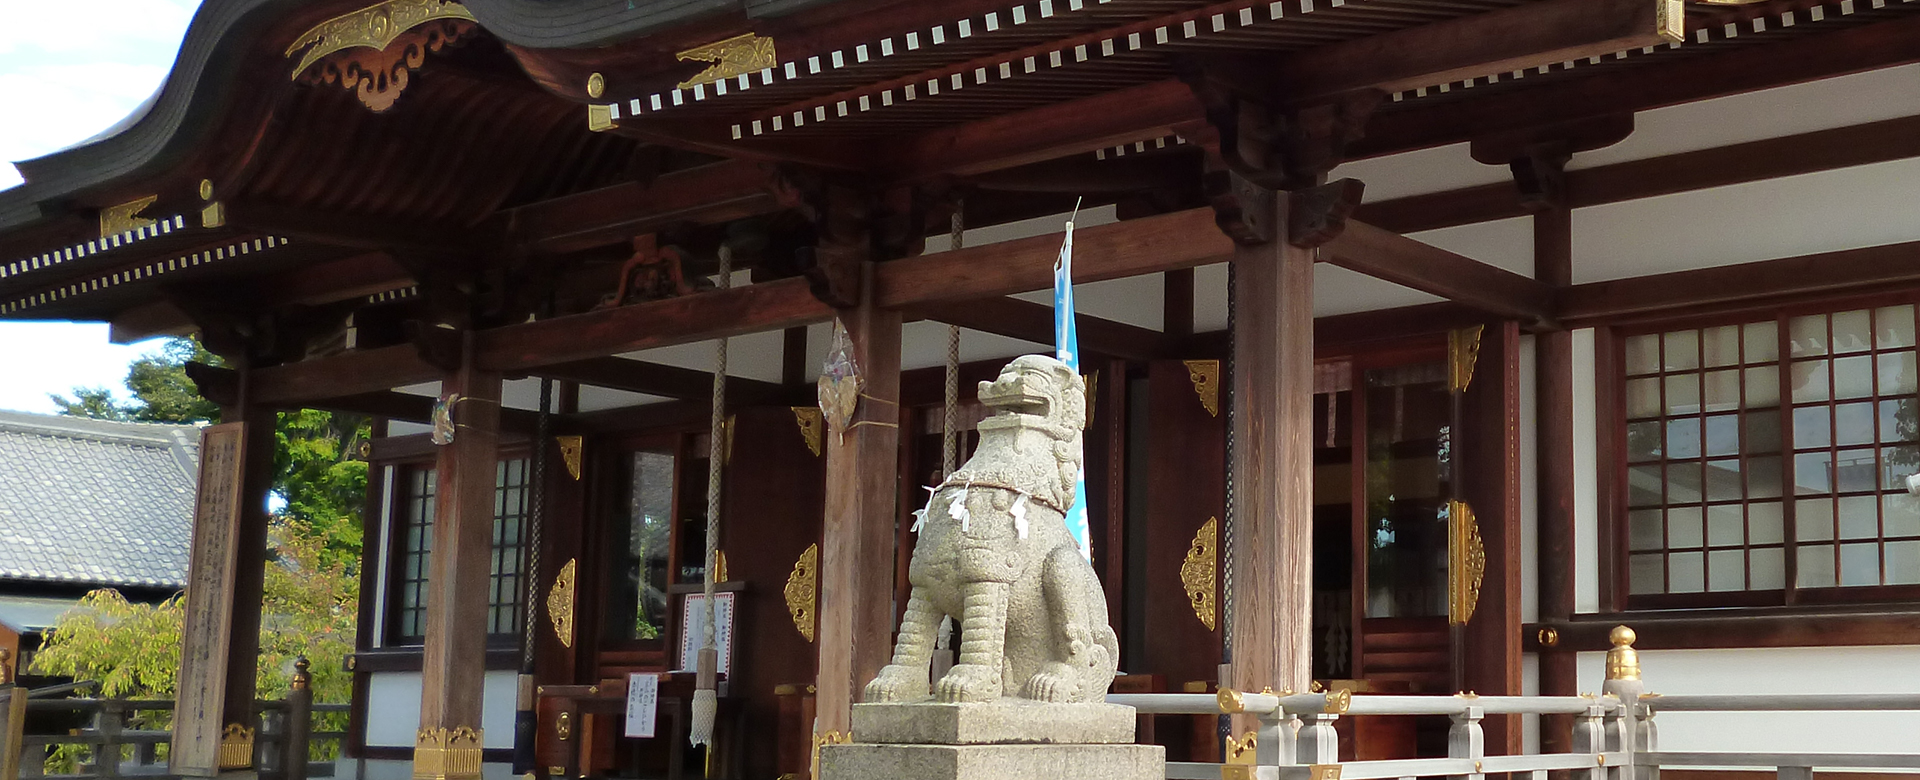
(1007, 740)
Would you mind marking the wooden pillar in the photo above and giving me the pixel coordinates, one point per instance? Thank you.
(1553, 433)
(1489, 461)
(214, 720)
(1272, 458)
(856, 553)
(447, 746)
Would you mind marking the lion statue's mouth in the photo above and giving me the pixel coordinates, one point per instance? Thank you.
(1028, 394)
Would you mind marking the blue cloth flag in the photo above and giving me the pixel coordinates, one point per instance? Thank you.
(1066, 341)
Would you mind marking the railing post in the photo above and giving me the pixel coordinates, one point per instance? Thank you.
(1318, 743)
(299, 721)
(1273, 747)
(109, 724)
(1590, 737)
(1636, 732)
(13, 717)
(1465, 739)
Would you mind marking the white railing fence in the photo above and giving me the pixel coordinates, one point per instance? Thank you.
(1614, 733)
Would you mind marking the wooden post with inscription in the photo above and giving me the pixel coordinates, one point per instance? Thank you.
(467, 430)
(213, 725)
(856, 556)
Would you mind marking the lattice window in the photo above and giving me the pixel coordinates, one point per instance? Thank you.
(506, 586)
(1771, 456)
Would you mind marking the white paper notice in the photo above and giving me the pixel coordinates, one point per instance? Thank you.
(643, 704)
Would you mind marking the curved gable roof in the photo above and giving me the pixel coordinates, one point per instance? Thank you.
(222, 32)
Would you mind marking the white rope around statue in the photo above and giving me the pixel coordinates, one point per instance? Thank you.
(705, 699)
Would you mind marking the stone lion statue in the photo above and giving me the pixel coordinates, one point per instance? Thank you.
(994, 553)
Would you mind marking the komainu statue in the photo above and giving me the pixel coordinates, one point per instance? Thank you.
(994, 552)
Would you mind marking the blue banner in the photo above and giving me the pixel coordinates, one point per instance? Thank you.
(1066, 341)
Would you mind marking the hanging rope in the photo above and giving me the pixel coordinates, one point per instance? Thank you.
(950, 429)
(705, 700)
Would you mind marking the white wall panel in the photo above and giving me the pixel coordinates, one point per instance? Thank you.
(1817, 212)
(1801, 108)
(1778, 670)
(1586, 478)
(393, 709)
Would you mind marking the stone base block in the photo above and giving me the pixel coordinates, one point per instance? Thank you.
(992, 762)
(1008, 721)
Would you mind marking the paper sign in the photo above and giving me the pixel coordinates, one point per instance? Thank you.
(643, 704)
(693, 622)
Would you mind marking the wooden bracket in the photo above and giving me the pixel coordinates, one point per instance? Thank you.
(1317, 215)
(439, 346)
(219, 385)
(1241, 207)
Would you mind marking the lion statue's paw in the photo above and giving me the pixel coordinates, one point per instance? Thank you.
(897, 684)
(1053, 682)
(970, 682)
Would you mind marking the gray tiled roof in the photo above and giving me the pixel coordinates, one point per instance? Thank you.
(95, 502)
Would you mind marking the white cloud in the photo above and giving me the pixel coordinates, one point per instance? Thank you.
(68, 70)
(55, 357)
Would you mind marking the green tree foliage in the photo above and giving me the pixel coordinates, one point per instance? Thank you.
(95, 402)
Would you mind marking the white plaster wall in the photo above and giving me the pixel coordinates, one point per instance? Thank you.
(1849, 208)
(1778, 670)
(393, 709)
(1529, 482)
(1586, 477)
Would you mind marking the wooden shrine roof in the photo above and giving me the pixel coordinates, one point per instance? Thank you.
(488, 150)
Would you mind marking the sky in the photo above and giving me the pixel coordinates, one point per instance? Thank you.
(68, 70)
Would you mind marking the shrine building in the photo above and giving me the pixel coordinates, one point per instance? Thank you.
(1425, 342)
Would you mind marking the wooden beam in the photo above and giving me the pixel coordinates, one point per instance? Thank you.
(772, 305)
(708, 194)
(1029, 321)
(639, 376)
(1771, 158)
(1395, 258)
(1419, 124)
(1747, 285)
(1182, 239)
(1502, 41)
(349, 373)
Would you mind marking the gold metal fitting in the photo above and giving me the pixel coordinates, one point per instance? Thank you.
(1549, 637)
(596, 84)
(1623, 662)
(1338, 702)
(1230, 701)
